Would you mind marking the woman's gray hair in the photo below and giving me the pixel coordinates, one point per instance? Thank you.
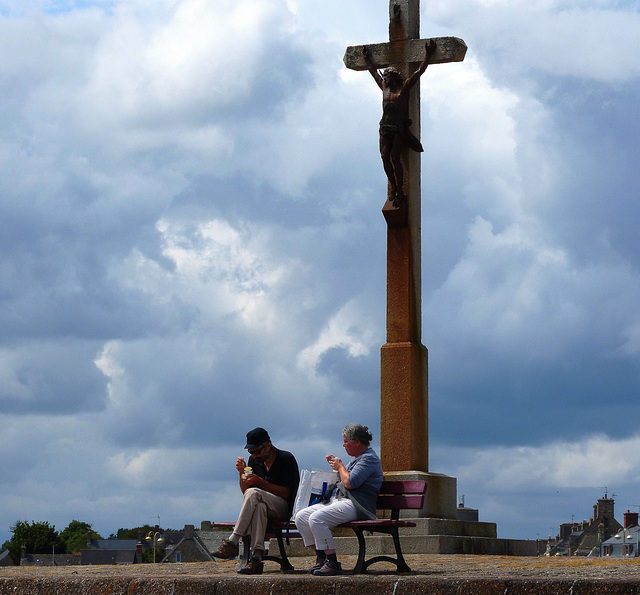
(358, 432)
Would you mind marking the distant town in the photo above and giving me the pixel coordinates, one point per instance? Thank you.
(39, 544)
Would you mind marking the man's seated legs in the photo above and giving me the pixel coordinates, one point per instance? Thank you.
(258, 507)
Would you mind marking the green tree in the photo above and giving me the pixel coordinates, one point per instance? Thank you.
(74, 536)
(135, 532)
(147, 555)
(38, 537)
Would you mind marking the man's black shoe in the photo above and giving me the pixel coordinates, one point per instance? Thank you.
(254, 566)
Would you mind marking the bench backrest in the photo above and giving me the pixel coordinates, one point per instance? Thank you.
(400, 495)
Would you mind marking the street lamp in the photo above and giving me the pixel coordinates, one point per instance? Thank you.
(155, 538)
(625, 536)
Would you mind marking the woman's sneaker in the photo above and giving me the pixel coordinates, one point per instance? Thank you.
(330, 568)
(318, 565)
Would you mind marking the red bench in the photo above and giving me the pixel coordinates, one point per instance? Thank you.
(394, 496)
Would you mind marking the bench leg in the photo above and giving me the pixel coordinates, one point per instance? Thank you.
(246, 551)
(401, 563)
(283, 559)
(362, 551)
(362, 564)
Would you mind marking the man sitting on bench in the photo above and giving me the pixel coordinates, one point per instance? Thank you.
(269, 482)
(355, 497)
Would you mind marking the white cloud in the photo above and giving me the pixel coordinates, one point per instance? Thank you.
(580, 40)
(470, 132)
(345, 330)
(217, 269)
(508, 285)
(588, 462)
(529, 490)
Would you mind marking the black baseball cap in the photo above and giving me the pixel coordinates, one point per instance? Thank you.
(256, 438)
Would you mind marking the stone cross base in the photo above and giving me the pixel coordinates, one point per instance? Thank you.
(404, 440)
(440, 501)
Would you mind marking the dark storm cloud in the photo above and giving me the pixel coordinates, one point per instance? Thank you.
(192, 245)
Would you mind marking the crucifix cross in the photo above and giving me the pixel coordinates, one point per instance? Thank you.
(408, 56)
(403, 363)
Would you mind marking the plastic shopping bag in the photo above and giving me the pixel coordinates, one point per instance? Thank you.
(315, 486)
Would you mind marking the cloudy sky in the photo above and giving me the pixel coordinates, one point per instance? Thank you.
(191, 245)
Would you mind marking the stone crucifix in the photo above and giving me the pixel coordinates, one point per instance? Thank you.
(404, 440)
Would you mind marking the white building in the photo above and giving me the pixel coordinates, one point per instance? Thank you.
(624, 544)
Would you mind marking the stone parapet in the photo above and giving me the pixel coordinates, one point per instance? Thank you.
(437, 575)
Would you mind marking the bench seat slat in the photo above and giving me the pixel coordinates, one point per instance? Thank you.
(411, 501)
(374, 523)
(416, 486)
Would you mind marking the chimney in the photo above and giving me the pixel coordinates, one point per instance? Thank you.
(89, 538)
(630, 519)
(605, 508)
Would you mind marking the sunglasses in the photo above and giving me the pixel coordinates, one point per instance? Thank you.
(256, 451)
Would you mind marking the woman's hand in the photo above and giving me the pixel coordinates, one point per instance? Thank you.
(338, 465)
(335, 462)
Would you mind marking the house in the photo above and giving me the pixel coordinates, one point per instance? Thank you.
(51, 559)
(584, 539)
(186, 546)
(5, 559)
(191, 545)
(112, 551)
(625, 542)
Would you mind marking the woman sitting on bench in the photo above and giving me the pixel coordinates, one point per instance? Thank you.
(354, 498)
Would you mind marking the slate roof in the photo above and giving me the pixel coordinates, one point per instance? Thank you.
(5, 559)
(191, 544)
(101, 557)
(114, 544)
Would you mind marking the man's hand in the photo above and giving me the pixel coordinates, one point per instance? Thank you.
(240, 464)
(252, 480)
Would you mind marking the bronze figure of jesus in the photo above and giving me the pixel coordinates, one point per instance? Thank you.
(395, 123)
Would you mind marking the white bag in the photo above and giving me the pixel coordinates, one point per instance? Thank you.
(314, 486)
